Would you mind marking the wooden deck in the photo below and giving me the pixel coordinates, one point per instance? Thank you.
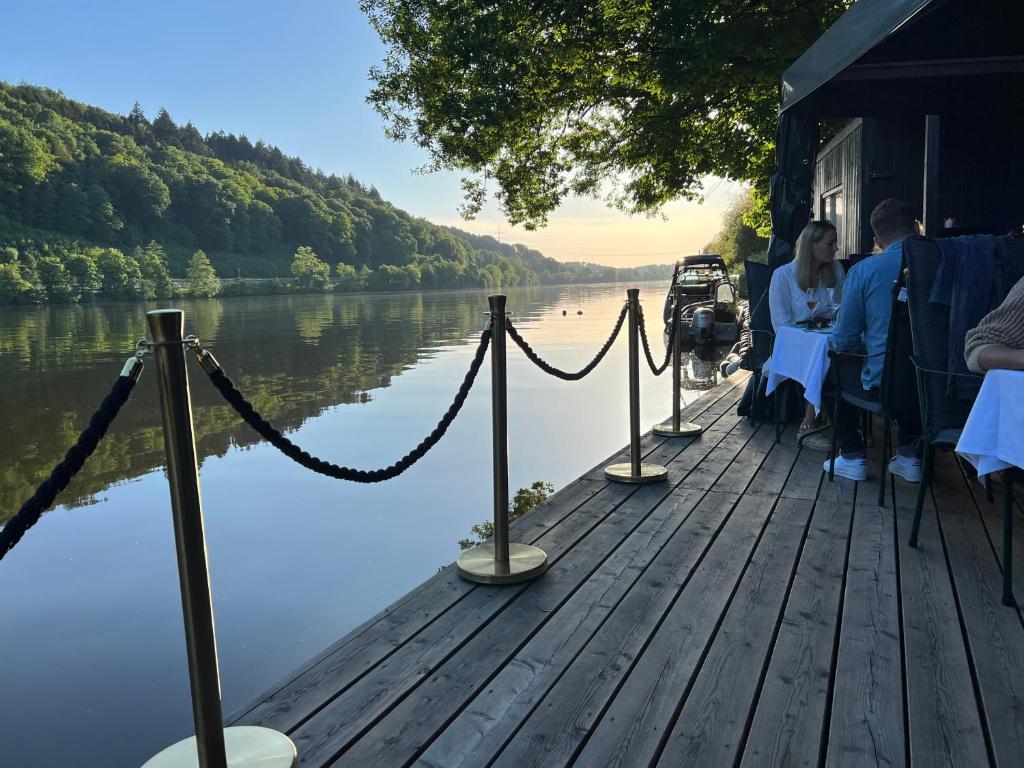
(747, 613)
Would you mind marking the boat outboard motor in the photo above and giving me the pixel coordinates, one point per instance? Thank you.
(703, 326)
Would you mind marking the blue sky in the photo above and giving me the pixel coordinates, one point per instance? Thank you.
(295, 74)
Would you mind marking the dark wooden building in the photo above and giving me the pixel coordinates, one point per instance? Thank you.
(922, 101)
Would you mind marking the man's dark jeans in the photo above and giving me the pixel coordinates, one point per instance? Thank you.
(848, 437)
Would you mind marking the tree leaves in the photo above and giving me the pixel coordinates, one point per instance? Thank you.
(634, 101)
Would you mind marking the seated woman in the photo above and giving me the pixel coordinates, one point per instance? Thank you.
(813, 277)
(998, 341)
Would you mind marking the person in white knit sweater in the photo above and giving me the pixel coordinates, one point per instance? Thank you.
(814, 276)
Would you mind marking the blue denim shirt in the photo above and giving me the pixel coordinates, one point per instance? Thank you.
(864, 314)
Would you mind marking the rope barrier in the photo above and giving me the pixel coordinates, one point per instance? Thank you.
(76, 456)
(249, 414)
(657, 370)
(556, 372)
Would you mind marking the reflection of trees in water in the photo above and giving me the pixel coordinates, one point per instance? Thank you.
(293, 357)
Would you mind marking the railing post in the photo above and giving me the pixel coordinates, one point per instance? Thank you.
(500, 562)
(636, 471)
(212, 744)
(676, 427)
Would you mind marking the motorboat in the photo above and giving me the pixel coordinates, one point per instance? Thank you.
(710, 313)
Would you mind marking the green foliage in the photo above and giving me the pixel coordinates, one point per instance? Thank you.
(202, 279)
(14, 289)
(55, 280)
(156, 278)
(524, 500)
(349, 278)
(83, 274)
(74, 178)
(548, 100)
(309, 270)
(737, 240)
(120, 277)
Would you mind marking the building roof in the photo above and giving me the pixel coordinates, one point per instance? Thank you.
(886, 56)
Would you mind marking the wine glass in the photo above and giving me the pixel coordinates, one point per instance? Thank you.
(812, 302)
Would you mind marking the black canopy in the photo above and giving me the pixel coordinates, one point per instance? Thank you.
(890, 57)
(859, 30)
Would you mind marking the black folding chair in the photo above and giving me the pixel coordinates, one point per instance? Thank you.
(893, 387)
(942, 417)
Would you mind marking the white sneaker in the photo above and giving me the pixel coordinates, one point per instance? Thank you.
(852, 469)
(906, 467)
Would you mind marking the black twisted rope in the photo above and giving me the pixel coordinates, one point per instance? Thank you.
(288, 448)
(657, 370)
(61, 475)
(556, 372)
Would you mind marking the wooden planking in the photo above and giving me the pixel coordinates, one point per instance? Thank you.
(866, 725)
(491, 717)
(289, 703)
(483, 726)
(709, 728)
(640, 717)
(631, 731)
(553, 731)
(748, 613)
(994, 632)
(790, 711)
(340, 722)
(417, 718)
(943, 721)
(992, 517)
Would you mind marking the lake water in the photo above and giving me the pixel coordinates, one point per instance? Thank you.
(93, 669)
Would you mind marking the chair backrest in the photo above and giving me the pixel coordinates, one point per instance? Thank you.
(759, 277)
(929, 328)
(899, 385)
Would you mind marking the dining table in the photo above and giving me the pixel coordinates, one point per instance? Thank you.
(993, 437)
(799, 354)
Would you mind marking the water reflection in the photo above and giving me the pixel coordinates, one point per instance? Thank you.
(296, 560)
(60, 361)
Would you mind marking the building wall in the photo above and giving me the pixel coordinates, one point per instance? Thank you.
(837, 186)
(981, 171)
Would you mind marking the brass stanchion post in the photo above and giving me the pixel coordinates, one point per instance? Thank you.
(500, 562)
(214, 746)
(676, 427)
(636, 471)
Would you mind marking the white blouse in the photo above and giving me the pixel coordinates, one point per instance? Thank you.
(788, 302)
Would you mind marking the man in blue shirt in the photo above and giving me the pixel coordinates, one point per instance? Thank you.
(862, 328)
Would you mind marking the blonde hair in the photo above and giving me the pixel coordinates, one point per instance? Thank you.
(809, 275)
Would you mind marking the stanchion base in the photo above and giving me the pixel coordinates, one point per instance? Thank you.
(686, 429)
(623, 473)
(247, 746)
(524, 563)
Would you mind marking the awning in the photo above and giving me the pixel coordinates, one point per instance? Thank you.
(863, 27)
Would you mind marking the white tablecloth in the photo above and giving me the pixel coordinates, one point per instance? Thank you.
(993, 438)
(800, 355)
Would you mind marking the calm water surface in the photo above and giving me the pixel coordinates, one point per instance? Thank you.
(93, 668)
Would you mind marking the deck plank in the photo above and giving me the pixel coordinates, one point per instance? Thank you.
(749, 612)
(866, 726)
(944, 724)
(337, 725)
(995, 633)
(480, 730)
(291, 702)
(789, 716)
(631, 731)
(710, 727)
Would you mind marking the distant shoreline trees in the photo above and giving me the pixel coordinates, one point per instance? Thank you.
(95, 205)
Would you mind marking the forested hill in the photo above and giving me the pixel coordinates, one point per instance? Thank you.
(93, 202)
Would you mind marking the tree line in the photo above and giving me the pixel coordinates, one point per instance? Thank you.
(95, 204)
